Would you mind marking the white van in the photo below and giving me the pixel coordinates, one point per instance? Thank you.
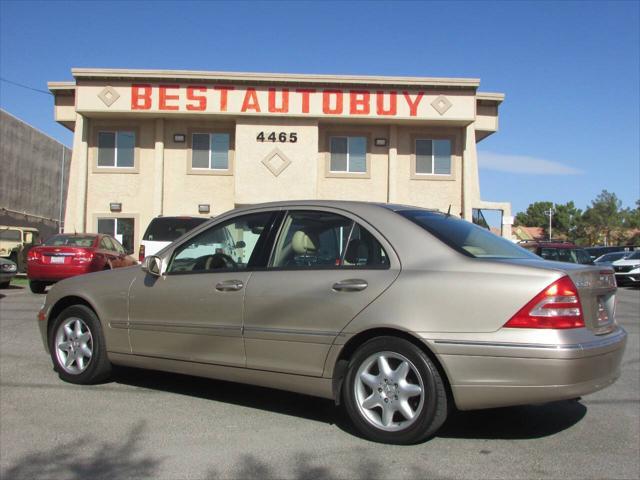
(164, 230)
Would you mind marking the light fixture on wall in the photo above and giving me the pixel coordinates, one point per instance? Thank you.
(380, 142)
(179, 137)
(204, 208)
(115, 206)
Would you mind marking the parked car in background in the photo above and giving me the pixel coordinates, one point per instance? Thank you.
(397, 313)
(67, 255)
(596, 252)
(8, 270)
(15, 242)
(558, 251)
(607, 259)
(164, 230)
(627, 269)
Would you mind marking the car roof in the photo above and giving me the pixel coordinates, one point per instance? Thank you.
(341, 204)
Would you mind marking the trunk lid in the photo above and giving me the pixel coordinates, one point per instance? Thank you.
(596, 289)
(62, 255)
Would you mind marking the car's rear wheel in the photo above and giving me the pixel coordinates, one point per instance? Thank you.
(5, 284)
(77, 346)
(36, 286)
(393, 392)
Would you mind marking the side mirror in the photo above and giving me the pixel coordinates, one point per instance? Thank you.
(152, 265)
(240, 244)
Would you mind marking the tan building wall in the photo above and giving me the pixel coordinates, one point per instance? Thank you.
(159, 106)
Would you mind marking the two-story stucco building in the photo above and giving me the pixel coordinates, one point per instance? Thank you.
(157, 142)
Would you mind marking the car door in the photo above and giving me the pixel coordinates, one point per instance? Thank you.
(326, 266)
(193, 311)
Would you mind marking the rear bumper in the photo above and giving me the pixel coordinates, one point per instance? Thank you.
(54, 273)
(487, 375)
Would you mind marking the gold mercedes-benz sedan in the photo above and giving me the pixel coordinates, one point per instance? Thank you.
(397, 313)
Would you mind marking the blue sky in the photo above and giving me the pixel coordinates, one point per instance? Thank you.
(569, 127)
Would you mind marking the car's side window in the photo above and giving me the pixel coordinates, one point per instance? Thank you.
(117, 246)
(232, 245)
(318, 240)
(364, 250)
(105, 244)
(549, 253)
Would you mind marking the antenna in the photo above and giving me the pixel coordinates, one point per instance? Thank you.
(449, 211)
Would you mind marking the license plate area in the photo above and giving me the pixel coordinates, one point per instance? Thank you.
(57, 259)
(605, 313)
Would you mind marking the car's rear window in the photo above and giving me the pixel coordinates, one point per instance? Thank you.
(70, 240)
(464, 236)
(168, 229)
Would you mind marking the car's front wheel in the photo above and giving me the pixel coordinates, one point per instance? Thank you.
(77, 346)
(393, 392)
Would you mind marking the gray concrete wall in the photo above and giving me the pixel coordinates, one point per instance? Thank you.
(31, 172)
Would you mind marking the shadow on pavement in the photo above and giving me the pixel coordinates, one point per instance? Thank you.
(522, 422)
(278, 401)
(86, 458)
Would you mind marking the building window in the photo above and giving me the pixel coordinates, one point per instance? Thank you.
(348, 154)
(116, 149)
(210, 151)
(433, 157)
(122, 229)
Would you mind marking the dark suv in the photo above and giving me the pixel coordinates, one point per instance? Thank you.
(559, 251)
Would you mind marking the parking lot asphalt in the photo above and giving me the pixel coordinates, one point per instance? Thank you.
(147, 424)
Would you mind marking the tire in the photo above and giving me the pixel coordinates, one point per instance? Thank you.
(79, 329)
(36, 286)
(410, 368)
(5, 284)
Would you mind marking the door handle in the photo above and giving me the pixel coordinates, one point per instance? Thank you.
(350, 285)
(229, 286)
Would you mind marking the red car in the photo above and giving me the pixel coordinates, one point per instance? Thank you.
(67, 255)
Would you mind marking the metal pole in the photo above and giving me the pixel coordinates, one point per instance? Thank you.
(61, 192)
(550, 214)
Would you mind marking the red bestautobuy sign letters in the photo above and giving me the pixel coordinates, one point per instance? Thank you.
(277, 100)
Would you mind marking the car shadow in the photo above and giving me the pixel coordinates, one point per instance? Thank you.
(521, 422)
(514, 423)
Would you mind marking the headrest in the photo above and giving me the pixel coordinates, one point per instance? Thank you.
(357, 250)
(304, 243)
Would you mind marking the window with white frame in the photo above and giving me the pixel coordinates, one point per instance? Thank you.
(210, 151)
(433, 157)
(116, 149)
(122, 229)
(348, 154)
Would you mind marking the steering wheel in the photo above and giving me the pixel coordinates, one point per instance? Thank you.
(221, 258)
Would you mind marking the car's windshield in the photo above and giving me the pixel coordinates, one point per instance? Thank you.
(73, 240)
(634, 256)
(168, 229)
(466, 237)
(611, 257)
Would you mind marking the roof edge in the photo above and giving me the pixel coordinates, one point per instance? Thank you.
(490, 96)
(89, 73)
(57, 86)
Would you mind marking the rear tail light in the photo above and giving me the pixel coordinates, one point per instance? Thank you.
(141, 253)
(557, 306)
(34, 255)
(84, 256)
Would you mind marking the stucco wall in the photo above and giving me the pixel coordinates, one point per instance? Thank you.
(30, 174)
